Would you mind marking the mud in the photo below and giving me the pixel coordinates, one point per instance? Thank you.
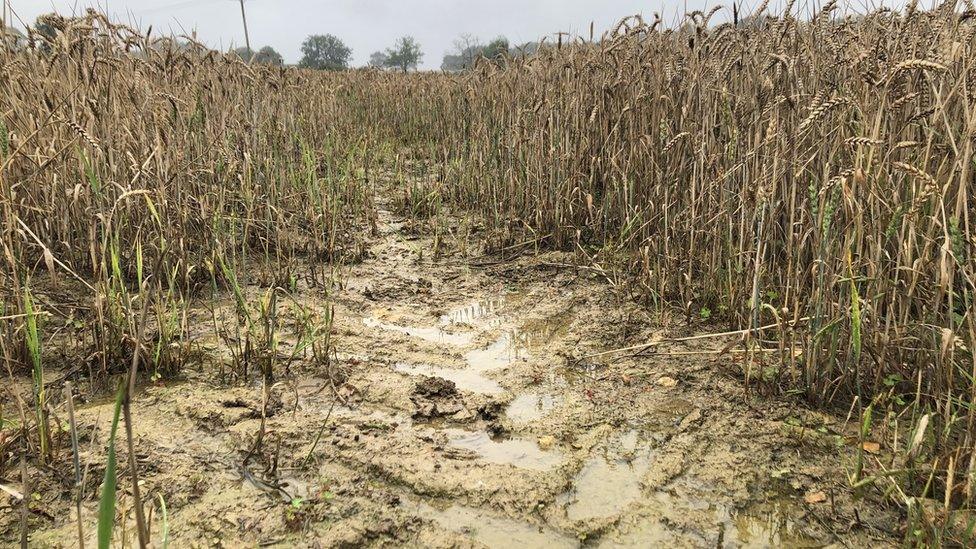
(465, 418)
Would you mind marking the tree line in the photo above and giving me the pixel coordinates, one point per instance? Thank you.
(328, 52)
(468, 50)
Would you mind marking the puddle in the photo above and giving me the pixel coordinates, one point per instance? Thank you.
(608, 482)
(605, 487)
(521, 453)
(495, 356)
(434, 334)
(534, 334)
(574, 375)
(772, 523)
(666, 416)
(530, 406)
(517, 343)
(491, 530)
(511, 345)
(479, 361)
(474, 313)
(648, 533)
(465, 379)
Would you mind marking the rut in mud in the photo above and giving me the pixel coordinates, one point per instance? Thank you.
(466, 418)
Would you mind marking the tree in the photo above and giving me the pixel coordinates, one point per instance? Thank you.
(405, 55)
(496, 48)
(467, 49)
(527, 49)
(11, 38)
(453, 62)
(269, 56)
(49, 24)
(265, 56)
(325, 52)
(755, 22)
(379, 60)
(45, 31)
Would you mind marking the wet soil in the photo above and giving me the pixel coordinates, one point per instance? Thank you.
(457, 413)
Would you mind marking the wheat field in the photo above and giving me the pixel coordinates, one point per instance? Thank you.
(806, 181)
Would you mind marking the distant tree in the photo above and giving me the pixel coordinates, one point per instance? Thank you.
(496, 48)
(49, 24)
(12, 38)
(453, 62)
(269, 56)
(325, 52)
(405, 55)
(467, 49)
(176, 44)
(264, 56)
(242, 52)
(379, 60)
(46, 29)
(527, 49)
(755, 22)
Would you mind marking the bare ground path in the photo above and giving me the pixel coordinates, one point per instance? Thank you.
(457, 414)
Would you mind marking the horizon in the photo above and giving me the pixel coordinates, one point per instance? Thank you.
(365, 28)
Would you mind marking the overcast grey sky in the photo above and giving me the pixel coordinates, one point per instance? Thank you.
(364, 25)
(370, 25)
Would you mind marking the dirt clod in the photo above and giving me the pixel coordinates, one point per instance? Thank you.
(435, 387)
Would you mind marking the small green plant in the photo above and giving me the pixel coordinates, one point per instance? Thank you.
(34, 350)
(296, 512)
(863, 434)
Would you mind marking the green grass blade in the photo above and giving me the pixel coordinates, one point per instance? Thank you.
(4, 141)
(106, 504)
(165, 518)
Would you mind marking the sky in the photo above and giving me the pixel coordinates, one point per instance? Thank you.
(364, 25)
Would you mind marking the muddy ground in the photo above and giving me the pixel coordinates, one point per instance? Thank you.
(458, 412)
